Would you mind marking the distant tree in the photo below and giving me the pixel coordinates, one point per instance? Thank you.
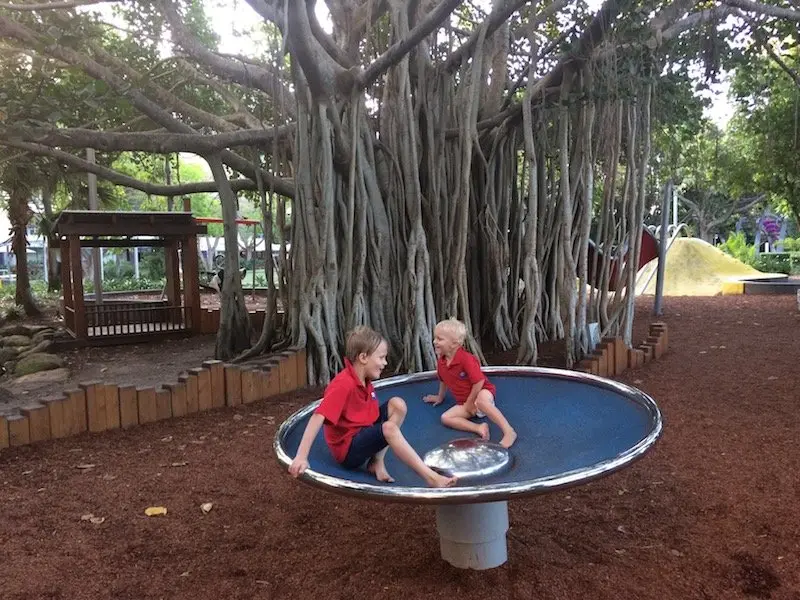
(767, 124)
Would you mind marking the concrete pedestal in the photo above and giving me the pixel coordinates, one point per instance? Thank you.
(473, 536)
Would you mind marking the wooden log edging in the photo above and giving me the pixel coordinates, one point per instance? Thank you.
(611, 357)
(98, 406)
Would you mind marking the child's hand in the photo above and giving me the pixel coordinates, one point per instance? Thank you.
(298, 466)
(432, 399)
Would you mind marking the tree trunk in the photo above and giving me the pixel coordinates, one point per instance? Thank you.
(233, 336)
(703, 231)
(52, 248)
(19, 213)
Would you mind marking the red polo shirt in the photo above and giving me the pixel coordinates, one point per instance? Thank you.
(347, 405)
(461, 374)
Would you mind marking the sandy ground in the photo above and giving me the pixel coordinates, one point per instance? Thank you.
(696, 268)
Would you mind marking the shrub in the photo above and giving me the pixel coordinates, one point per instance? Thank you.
(736, 246)
(791, 244)
(774, 262)
(151, 265)
(125, 284)
(14, 313)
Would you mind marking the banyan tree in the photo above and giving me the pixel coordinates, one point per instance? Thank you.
(429, 158)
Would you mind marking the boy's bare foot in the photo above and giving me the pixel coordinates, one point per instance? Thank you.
(483, 431)
(440, 481)
(378, 468)
(508, 439)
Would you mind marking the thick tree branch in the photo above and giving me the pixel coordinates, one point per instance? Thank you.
(267, 12)
(327, 42)
(394, 54)
(693, 206)
(780, 62)
(243, 73)
(673, 28)
(126, 89)
(551, 9)
(550, 84)
(693, 20)
(323, 74)
(163, 97)
(118, 178)
(94, 69)
(741, 205)
(765, 9)
(52, 5)
(368, 12)
(496, 18)
(242, 115)
(670, 13)
(744, 204)
(158, 143)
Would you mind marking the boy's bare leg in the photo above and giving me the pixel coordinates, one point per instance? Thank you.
(485, 403)
(397, 410)
(458, 417)
(408, 455)
(377, 466)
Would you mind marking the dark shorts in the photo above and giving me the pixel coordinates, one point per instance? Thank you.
(368, 441)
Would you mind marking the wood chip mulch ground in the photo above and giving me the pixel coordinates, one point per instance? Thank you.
(710, 513)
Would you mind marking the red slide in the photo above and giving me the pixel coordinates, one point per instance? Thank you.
(648, 252)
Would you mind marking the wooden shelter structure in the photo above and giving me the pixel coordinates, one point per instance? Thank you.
(108, 321)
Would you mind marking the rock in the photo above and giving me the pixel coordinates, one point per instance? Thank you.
(46, 334)
(42, 346)
(8, 353)
(16, 340)
(13, 330)
(43, 377)
(40, 361)
(34, 329)
(22, 329)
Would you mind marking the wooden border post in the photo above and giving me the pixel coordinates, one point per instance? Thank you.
(128, 406)
(38, 417)
(19, 433)
(178, 398)
(96, 419)
(76, 407)
(302, 367)
(217, 370)
(4, 442)
(189, 379)
(203, 388)
(146, 399)
(288, 371)
(233, 385)
(163, 404)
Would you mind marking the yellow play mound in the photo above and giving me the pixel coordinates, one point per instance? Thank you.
(696, 268)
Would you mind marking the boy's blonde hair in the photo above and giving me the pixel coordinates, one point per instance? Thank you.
(362, 339)
(455, 327)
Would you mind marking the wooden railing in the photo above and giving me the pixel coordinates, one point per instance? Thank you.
(112, 318)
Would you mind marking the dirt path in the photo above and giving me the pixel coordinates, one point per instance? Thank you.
(143, 365)
(710, 513)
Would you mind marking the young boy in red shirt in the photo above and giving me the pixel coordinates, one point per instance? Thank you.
(358, 431)
(460, 372)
